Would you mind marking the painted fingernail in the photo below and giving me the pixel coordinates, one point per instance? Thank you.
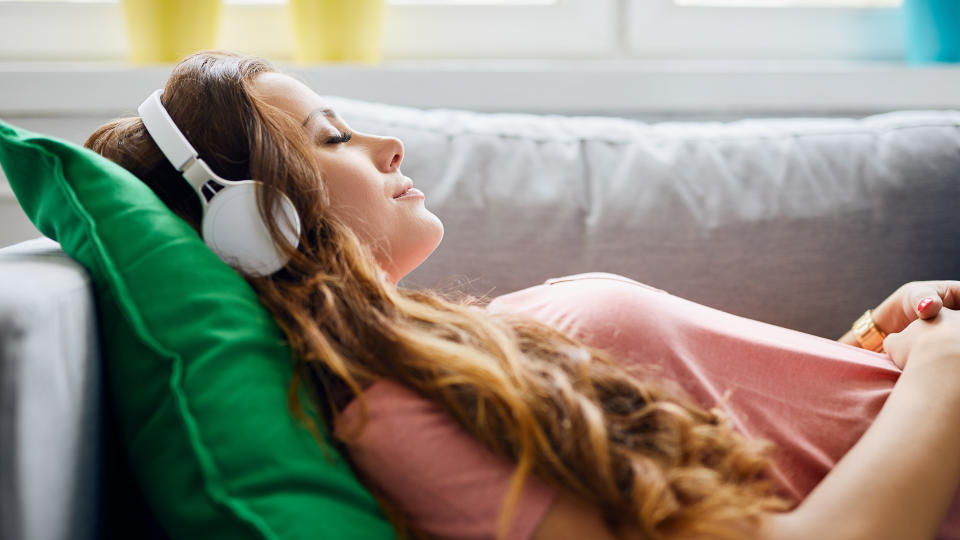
(924, 303)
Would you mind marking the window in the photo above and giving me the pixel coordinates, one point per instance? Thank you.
(789, 3)
(417, 29)
(93, 29)
(795, 29)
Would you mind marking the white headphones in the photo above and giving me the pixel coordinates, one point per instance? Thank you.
(232, 226)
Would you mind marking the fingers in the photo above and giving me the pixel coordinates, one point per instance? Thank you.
(949, 293)
(928, 307)
(896, 348)
(927, 297)
(944, 329)
(924, 300)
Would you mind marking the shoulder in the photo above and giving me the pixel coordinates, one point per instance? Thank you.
(590, 287)
(600, 279)
(579, 301)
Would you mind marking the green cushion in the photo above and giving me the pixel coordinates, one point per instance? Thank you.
(197, 367)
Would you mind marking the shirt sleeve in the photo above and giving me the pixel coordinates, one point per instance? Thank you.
(450, 485)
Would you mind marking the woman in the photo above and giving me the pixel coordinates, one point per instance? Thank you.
(578, 440)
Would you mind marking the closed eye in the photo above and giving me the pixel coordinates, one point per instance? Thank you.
(341, 138)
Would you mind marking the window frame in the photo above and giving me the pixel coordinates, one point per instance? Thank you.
(94, 31)
(663, 29)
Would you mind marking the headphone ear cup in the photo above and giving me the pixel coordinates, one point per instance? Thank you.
(233, 229)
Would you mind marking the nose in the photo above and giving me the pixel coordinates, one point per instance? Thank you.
(390, 154)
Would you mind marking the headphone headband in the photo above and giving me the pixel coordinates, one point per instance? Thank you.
(174, 145)
(232, 226)
(165, 132)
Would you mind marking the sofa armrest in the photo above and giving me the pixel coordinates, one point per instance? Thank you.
(49, 396)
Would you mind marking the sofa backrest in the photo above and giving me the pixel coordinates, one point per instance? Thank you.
(803, 223)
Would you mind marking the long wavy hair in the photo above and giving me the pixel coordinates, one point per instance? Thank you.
(646, 456)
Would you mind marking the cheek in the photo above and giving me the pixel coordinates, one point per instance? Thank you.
(362, 206)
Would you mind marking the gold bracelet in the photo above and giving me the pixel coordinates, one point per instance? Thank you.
(868, 335)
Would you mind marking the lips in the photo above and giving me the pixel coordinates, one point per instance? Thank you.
(407, 186)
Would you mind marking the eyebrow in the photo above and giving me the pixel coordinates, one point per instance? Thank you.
(326, 111)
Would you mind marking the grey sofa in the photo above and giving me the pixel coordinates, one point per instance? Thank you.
(63, 474)
(802, 223)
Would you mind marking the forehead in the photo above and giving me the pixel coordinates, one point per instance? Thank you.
(289, 94)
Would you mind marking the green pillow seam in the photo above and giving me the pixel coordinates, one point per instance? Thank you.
(212, 480)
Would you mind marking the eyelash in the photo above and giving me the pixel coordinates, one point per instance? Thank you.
(341, 138)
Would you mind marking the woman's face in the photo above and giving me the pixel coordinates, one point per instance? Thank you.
(363, 179)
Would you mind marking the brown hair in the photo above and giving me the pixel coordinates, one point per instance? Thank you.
(646, 456)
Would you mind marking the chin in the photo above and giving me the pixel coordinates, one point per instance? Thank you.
(438, 233)
(430, 241)
(414, 254)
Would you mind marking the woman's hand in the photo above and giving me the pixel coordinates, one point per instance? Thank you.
(937, 337)
(915, 300)
(913, 441)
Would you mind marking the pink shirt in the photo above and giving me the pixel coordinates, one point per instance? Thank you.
(813, 397)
